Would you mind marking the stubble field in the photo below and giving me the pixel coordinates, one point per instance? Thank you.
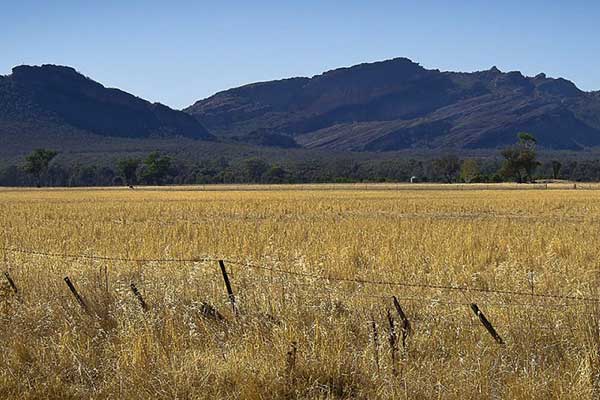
(313, 272)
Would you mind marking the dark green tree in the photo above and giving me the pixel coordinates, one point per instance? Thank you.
(37, 163)
(127, 169)
(556, 167)
(253, 170)
(156, 168)
(520, 160)
(469, 170)
(275, 174)
(446, 167)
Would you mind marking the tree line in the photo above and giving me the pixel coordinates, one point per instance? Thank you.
(517, 163)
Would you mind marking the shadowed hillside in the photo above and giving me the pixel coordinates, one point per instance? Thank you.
(51, 103)
(398, 104)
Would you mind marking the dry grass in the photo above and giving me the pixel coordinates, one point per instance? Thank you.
(502, 239)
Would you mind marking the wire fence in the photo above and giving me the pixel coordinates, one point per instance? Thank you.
(451, 317)
(558, 307)
(580, 299)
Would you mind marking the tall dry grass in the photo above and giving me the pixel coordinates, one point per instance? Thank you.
(295, 336)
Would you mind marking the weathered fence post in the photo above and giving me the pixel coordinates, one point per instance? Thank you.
(139, 296)
(375, 341)
(405, 322)
(228, 287)
(76, 294)
(11, 283)
(487, 324)
(393, 338)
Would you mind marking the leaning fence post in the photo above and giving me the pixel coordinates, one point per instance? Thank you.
(76, 294)
(139, 296)
(487, 324)
(393, 339)
(11, 283)
(405, 322)
(228, 287)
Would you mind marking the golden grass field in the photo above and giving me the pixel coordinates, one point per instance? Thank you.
(337, 240)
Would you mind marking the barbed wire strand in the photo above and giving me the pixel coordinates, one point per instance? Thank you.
(424, 300)
(306, 274)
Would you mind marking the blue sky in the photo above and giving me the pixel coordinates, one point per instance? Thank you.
(177, 52)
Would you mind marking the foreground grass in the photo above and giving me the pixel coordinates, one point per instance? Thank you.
(543, 241)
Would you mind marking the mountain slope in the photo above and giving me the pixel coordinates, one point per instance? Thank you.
(45, 103)
(397, 104)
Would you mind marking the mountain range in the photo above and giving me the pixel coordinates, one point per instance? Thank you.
(52, 98)
(377, 107)
(397, 104)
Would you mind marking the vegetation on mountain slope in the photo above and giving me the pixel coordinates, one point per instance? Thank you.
(397, 104)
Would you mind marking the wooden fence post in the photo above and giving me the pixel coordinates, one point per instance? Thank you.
(487, 324)
(76, 294)
(11, 283)
(406, 329)
(393, 338)
(138, 295)
(228, 287)
(375, 341)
